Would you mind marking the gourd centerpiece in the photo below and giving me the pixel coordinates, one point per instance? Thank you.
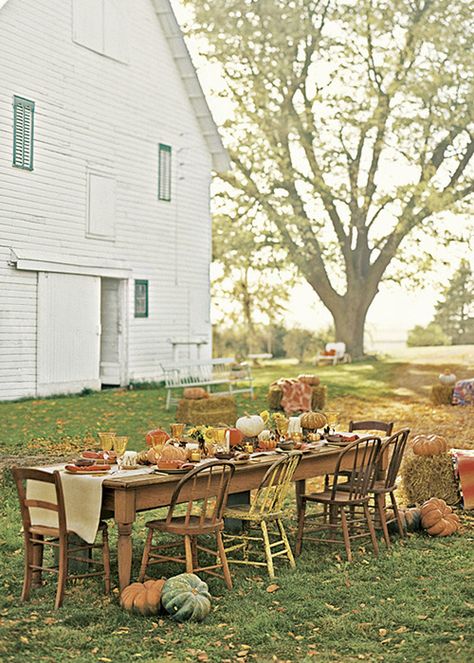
(313, 420)
(250, 425)
(438, 518)
(429, 445)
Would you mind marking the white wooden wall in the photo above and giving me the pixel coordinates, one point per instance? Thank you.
(97, 115)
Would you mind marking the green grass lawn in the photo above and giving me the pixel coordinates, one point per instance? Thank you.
(413, 603)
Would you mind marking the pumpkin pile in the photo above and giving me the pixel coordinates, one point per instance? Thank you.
(429, 445)
(438, 519)
(185, 597)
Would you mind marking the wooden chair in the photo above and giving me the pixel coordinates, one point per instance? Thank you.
(37, 537)
(265, 510)
(396, 446)
(355, 473)
(381, 426)
(201, 517)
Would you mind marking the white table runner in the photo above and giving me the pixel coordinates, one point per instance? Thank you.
(82, 499)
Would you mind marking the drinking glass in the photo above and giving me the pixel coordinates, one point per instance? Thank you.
(177, 430)
(332, 416)
(120, 446)
(107, 443)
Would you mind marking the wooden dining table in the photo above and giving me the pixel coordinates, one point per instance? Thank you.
(124, 497)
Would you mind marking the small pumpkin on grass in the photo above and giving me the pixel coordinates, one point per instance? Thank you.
(186, 598)
(143, 597)
(438, 519)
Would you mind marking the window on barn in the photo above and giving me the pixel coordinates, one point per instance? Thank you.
(101, 207)
(101, 26)
(164, 172)
(23, 129)
(141, 299)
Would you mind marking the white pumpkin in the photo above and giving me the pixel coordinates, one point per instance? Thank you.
(264, 435)
(250, 425)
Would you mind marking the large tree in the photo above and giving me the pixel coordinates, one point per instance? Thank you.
(351, 130)
(455, 310)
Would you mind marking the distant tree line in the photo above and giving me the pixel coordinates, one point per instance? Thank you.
(453, 321)
(275, 339)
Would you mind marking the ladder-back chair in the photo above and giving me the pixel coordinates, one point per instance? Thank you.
(353, 478)
(37, 537)
(204, 491)
(262, 518)
(382, 426)
(395, 446)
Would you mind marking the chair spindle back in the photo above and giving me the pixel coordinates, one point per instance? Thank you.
(396, 443)
(217, 476)
(361, 469)
(275, 484)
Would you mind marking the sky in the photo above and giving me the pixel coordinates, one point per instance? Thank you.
(396, 308)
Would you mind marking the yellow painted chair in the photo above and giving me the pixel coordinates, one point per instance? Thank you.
(262, 519)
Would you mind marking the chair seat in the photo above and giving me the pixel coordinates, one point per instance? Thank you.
(42, 530)
(380, 488)
(243, 512)
(340, 497)
(179, 526)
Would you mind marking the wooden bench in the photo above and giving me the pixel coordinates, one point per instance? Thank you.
(224, 371)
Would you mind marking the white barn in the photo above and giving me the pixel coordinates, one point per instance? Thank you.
(106, 151)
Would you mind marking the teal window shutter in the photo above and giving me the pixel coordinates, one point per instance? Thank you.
(23, 132)
(164, 172)
(141, 299)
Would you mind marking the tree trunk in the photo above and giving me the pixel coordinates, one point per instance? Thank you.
(349, 323)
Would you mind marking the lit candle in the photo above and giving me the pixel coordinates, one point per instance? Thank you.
(227, 441)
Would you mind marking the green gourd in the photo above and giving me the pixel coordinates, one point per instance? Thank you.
(186, 598)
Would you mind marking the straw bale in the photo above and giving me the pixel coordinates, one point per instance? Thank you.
(208, 411)
(274, 398)
(318, 399)
(429, 476)
(442, 394)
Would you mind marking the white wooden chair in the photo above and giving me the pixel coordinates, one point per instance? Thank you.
(334, 353)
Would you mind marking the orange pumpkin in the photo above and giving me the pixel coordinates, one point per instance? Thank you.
(157, 435)
(313, 420)
(267, 443)
(195, 393)
(144, 598)
(429, 445)
(438, 519)
(313, 380)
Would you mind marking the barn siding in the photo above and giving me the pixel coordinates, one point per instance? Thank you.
(96, 114)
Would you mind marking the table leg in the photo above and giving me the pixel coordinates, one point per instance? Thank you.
(124, 517)
(124, 553)
(300, 489)
(234, 525)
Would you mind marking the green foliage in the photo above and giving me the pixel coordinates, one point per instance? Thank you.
(432, 334)
(327, 101)
(455, 310)
(302, 344)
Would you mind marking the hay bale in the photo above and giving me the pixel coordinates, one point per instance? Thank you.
(208, 411)
(429, 476)
(442, 394)
(318, 397)
(274, 398)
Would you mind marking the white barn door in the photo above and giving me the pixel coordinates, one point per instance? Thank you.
(68, 333)
(112, 345)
